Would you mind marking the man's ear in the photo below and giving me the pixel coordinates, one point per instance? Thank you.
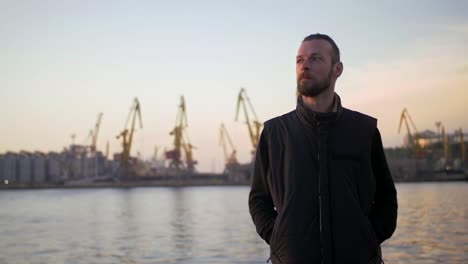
(338, 69)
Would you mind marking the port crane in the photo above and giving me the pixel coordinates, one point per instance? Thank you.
(96, 133)
(254, 126)
(87, 138)
(127, 134)
(413, 138)
(447, 150)
(462, 146)
(190, 162)
(181, 142)
(225, 141)
(447, 146)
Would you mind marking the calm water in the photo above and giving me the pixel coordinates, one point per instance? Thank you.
(200, 225)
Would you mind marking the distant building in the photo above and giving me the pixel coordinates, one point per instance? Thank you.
(73, 163)
(54, 170)
(38, 168)
(24, 172)
(8, 168)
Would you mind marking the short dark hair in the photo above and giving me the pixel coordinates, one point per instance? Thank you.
(336, 50)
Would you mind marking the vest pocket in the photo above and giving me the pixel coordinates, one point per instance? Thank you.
(350, 225)
(302, 247)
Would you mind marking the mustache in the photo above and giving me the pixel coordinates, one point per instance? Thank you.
(305, 75)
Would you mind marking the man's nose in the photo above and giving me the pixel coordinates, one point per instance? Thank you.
(305, 66)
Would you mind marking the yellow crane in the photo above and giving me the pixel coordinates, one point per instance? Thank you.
(413, 138)
(229, 158)
(190, 162)
(96, 132)
(127, 134)
(93, 134)
(181, 141)
(254, 126)
(447, 150)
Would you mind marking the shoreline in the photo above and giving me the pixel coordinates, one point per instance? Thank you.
(162, 183)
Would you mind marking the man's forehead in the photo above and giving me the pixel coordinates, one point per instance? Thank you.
(318, 46)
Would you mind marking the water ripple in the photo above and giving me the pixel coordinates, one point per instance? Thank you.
(201, 225)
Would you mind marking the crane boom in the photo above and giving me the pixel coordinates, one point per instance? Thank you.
(253, 126)
(136, 112)
(181, 141)
(230, 159)
(127, 134)
(403, 118)
(87, 138)
(413, 138)
(96, 132)
(222, 142)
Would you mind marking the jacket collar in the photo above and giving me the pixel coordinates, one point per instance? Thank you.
(310, 117)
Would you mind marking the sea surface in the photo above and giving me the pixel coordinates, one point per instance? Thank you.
(200, 225)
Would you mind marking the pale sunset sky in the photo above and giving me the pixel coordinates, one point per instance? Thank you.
(62, 62)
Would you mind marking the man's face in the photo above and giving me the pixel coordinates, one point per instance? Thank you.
(314, 67)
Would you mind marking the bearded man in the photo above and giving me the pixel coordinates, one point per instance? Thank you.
(322, 191)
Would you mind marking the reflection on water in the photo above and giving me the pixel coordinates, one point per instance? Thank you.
(139, 225)
(200, 225)
(432, 224)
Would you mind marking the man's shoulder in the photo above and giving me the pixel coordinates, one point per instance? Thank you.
(280, 120)
(358, 116)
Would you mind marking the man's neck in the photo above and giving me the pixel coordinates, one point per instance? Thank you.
(322, 103)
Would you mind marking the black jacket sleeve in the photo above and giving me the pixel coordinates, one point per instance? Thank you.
(383, 215)
(261, 205)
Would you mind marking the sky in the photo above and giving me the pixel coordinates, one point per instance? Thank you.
(63, 62)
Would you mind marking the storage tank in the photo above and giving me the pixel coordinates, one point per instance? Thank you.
(24, 172)
(8, 168)
(53, 171)
(38, 168)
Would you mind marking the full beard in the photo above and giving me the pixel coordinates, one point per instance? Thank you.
(312, 88)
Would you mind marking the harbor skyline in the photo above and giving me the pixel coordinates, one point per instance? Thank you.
(63, 63)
